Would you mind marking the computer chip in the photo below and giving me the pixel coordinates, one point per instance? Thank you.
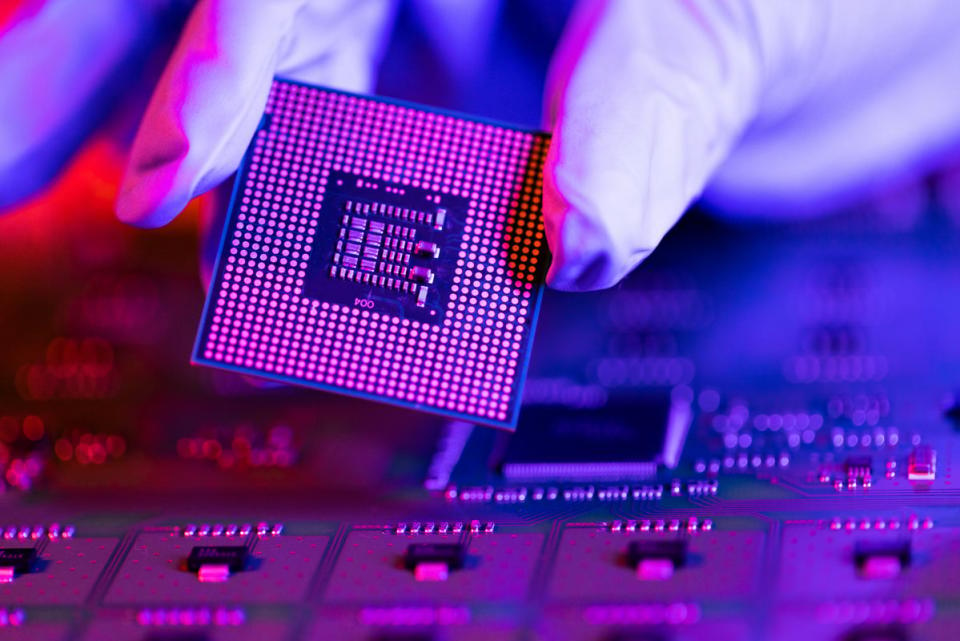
(625, 438)
(382, 250)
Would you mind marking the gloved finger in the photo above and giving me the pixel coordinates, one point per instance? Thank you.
(814, 103)
(646, 99)
(62, 66)
(210, 98)
(867, 98)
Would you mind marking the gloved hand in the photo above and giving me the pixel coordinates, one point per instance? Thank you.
(211, 96)
(775, 107)
(779, 107)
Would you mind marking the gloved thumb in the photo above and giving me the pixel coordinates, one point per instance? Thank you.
(778, 105)
(646, 99)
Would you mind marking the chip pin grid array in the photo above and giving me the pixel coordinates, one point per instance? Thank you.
(468, 358)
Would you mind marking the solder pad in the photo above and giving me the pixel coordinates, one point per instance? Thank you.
(382, 250)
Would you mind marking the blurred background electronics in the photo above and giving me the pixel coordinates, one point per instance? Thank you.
(750, 438)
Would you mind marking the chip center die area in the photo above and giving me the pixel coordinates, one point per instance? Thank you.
(386, 247)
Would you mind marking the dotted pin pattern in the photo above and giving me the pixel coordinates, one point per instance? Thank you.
(258, 319)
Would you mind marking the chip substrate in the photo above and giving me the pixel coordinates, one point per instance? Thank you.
(383, 250)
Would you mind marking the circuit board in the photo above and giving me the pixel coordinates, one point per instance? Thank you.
(751, 439)
(757, 452)
(382, 250)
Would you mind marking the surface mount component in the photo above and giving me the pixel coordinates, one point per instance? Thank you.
(16, 561)
(215, 563)
(881, 559)
(656, 560)
(922, 465)
(858, 467)
(382, 250)
(434, 561)
(625, 438)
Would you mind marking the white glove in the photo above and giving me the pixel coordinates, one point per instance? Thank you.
(776, 107)
(211, 96)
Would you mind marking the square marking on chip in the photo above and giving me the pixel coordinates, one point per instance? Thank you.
(382, 250)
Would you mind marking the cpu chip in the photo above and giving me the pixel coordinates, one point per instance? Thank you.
(382, 250)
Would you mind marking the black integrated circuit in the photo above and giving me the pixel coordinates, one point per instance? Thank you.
(234, 557)
(671, 550)
(625, 438)
(17, 561)
(453, 555)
